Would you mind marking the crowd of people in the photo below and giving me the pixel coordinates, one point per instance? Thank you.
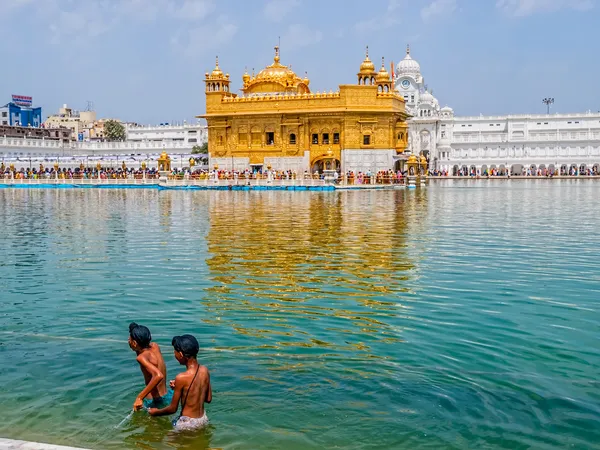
(526, 172)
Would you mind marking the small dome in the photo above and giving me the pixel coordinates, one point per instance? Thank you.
(447, 109)
(428, 98)
(367, 66)
(246, 77)
(408, 66)
(383, 74)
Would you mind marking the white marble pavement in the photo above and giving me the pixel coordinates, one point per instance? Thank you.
(9, 444)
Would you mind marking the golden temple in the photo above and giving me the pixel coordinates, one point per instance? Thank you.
(278, 122)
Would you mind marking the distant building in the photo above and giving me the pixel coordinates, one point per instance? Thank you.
(19, 112)
(81, 123)
(188, 134)
(63, 134)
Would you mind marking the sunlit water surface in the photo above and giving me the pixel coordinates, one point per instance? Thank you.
(464, 315)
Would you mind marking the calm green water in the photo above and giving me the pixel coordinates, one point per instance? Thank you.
(465, 315)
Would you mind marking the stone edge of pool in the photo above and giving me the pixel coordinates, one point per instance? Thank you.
(11, 444)
(199, 188)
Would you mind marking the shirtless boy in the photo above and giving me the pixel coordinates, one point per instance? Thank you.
(192, 387)
(153, 367)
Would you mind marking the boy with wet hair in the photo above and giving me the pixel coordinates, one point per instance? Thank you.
(192, 387)
(151, 361)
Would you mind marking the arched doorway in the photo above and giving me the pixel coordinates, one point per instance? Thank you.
(502, 171)
(516, 170)
(583, 169)
(321, 164)
(564, 169)
(596, 169)
(455, 170)
(485, 171)
(573, 169)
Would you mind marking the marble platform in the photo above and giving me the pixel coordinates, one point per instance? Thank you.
(10, 444)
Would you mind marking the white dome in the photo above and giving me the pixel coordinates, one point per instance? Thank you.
(447, 109)
(408, 66)
(428, 98)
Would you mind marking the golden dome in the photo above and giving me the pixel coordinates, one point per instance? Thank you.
(217, 72)
(305, 80)
(275, 78)
(246, 77)
(383, 74)
(367, 65)
(412, 159)
(423, 160)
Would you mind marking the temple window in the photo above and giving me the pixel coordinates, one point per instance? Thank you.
(293, 139)
(325, 138)
(336, 138)
(220, 140)
(243, 138)
(315, 138)
(366, 139)
(255, 138)
(412, 98)
(270, 138)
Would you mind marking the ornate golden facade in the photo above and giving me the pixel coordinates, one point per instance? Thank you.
(277, 121)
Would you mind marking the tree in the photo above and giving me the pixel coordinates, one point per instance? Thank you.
(202, 149)
(114, 130)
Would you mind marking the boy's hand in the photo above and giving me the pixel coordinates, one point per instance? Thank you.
(172, 384)
(152, 411)
(138, 404)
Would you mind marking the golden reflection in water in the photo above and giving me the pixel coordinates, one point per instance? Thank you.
(279, 260)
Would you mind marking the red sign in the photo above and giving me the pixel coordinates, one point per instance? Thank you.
(22, 100)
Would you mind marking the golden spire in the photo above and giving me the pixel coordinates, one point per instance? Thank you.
(367, 65)
(383, 74)
(276, 59)
(217, 72)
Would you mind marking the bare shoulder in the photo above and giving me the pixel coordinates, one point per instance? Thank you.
(203, 371)
(154, 346)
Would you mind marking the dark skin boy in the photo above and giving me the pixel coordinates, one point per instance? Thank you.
(154, 370)
(198, 392)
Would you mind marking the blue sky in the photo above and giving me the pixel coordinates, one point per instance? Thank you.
(144, 60)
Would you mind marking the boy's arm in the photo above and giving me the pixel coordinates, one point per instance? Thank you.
(157, 377)
(172, 408)
(209, 396)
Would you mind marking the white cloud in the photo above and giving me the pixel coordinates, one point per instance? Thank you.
(199, 41)
(298, 35)
(276, 10)
(522, 8)
(193, 9)
(438, 8)
(381, 22)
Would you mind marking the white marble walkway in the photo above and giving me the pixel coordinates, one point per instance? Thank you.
(9, 444)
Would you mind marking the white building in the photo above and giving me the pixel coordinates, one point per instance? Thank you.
(188, 134)
(177, 140)
(569, 143)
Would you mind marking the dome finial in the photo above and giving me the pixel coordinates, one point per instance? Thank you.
(383, 61)
(367, 53)
(276, 59)
(217, 63)
(408, 49)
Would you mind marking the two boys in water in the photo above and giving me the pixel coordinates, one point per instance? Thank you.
(190, 388)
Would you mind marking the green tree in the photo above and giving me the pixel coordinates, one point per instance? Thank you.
(200, 149)
(114, 130)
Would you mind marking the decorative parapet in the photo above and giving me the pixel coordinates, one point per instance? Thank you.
(280, 97)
